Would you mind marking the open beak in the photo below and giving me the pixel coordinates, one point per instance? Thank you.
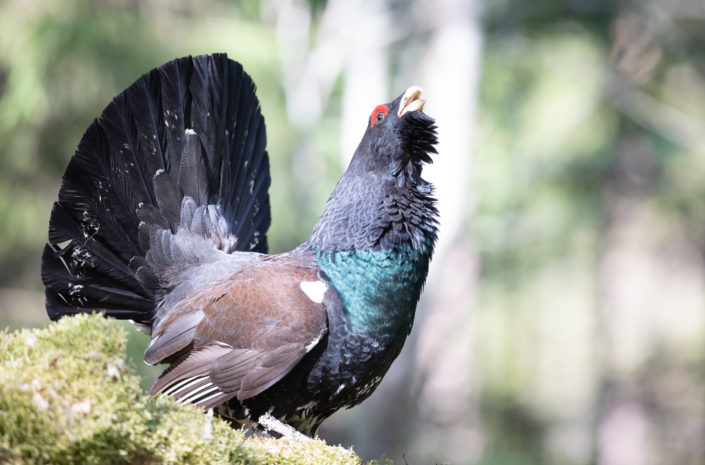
(411, 101)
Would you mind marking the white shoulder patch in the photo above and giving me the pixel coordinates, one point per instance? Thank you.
(313, 343)
(314, 290)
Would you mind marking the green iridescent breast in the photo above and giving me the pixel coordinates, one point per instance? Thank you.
(379, 289)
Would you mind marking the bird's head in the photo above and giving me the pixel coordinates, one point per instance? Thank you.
(398, 135)
(382, 200)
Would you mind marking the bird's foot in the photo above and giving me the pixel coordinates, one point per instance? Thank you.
(269, 423)
(208, 426)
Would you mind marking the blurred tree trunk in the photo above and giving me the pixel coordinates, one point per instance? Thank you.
(447, 373)
(652, 298)
(651, 276)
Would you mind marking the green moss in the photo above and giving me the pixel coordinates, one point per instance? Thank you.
(67, 397)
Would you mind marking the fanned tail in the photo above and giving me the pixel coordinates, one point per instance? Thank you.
(173, 174)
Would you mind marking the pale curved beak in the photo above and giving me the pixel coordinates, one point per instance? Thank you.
(411, 101)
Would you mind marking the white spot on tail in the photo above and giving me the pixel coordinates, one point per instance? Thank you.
(190, 132)
(314, 290)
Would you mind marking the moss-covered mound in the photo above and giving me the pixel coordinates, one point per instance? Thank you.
(67, 397)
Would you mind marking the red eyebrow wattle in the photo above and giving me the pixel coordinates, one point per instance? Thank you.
(378, 109)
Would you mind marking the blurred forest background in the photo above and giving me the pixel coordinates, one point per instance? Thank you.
(564, 317)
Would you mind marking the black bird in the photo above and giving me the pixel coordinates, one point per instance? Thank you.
(162, 219)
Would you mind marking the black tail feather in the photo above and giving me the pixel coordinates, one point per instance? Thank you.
(182, 148)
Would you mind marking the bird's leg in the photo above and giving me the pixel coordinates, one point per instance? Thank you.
(269, 423)
(208, 427)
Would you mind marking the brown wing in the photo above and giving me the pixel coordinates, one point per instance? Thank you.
(240, 336)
